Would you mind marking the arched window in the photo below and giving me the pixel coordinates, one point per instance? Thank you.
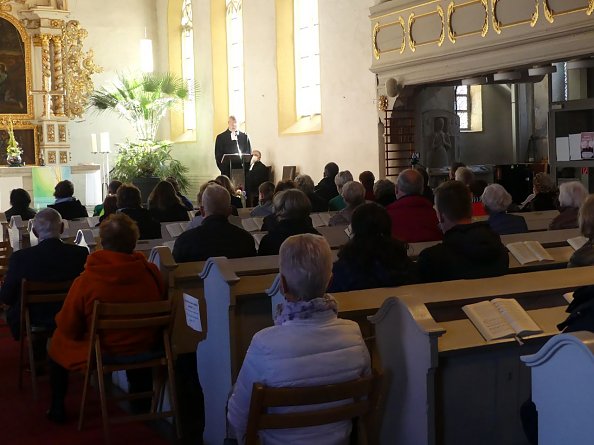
(187, 53)
(235, 60)
(307, 58)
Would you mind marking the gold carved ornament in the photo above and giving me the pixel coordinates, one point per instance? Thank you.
(411, 20)
(452, 7)
(498, 26)
(550, 14)
(78, 69)
(377, 28)
(382, 103)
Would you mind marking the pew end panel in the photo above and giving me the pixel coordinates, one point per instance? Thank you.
(563, 388)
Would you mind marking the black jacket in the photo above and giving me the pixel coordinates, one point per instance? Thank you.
(25, 214)
(214, 237)
(318, 204)
(326, 189)
(256, 175)
(148, 226)
(225, 145)
(468, 251)
(50, 260)
(177, 212)
(70, 209)
(581, 311)
(270, 244)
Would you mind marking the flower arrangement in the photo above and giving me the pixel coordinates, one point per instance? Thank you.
(13, 149)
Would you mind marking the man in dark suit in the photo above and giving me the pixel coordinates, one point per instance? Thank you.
(50, 260)
(216, 236)
(326, 188)
(231, 141)
(257, 174)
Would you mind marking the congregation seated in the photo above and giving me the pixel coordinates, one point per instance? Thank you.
(306, 185)
(571, 196)
(129, 202)
(257, 174)
(326, 188)
(112, 189)
(384, 191)
(308, 346)
(367, 178)
(466, 177)
(427, 191)
(164, 204)
(20, 202)
(50, 260)
(115, 274)
(584, 256)
(109, 207)
(496, 201)
(469, 250)
(184, 199)
(265, 194)
(544, 194)
(413, 217)
(371, 258)
(216, 236)
(227, 184)
(292, 209)
(66, 204)
(353, 194)
(337, 203)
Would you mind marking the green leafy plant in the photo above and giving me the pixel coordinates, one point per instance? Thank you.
(143, 100)
(148, 159)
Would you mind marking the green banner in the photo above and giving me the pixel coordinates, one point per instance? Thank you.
(44, 181)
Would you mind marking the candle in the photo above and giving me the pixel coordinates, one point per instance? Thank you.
(93, 143)
(104, 137)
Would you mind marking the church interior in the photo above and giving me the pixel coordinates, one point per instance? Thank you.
(311, 221)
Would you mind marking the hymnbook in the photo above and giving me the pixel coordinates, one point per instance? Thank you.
(577, 242)
(501, 318)
(529, 252)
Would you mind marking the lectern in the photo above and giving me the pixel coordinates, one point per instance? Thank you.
(238, 165)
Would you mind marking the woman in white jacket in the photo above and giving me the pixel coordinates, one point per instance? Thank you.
(308, 346)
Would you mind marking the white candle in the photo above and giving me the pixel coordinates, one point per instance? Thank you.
(104, 137)
(93, 143)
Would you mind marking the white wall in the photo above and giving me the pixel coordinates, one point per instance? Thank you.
(115, 28)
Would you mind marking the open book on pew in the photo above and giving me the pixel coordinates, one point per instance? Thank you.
(176, 229)
(252, 224)
(501, 318)
(320, 219)
(577, 242)
(529, 252)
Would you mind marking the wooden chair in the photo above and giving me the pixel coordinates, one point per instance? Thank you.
(363, 394)
(36, 292)
(130, 316)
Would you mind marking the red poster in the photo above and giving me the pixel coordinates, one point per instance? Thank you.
(587, 145)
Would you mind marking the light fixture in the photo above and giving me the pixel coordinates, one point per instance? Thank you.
(542, 70)
(482, 80)
(146, 54)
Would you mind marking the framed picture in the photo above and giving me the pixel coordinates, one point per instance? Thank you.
(15, 69)
(27, 138)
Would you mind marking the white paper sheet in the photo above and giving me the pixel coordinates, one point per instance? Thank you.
(192, 313)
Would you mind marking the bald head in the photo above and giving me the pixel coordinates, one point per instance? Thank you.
(47, 224)
(216, 201)
(410, 182)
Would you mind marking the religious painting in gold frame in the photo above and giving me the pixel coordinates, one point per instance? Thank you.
(28, 138)
(15, 70)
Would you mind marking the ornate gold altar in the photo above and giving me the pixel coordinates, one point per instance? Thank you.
(45, 77)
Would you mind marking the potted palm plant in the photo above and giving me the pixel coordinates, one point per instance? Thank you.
(143, 100)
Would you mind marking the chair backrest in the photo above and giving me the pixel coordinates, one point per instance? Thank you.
(34, 292)
(112, 316)
(289, 172)
(361, 395)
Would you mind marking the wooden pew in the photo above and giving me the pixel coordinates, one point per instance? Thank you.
(563, 388)
(447, 384)
(538, 220)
